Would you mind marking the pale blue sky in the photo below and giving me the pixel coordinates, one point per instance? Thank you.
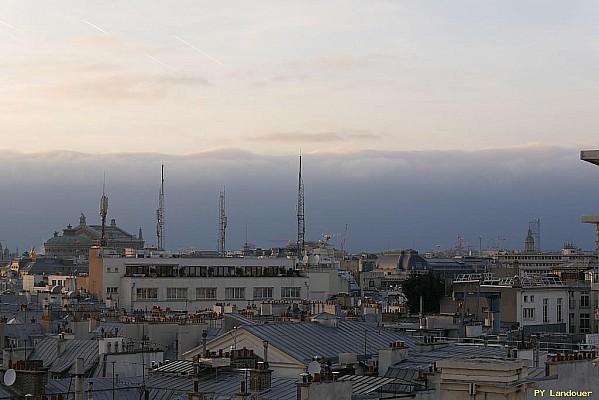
(271, 77)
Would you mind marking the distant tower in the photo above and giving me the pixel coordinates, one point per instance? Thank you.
(529, 242)
(160, 214)
(140, 234)
(103, 212)
(301, 227)
(535, 227)
(222, 224)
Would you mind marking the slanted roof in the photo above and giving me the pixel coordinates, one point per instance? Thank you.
(324, 316)
(160, 387)
(47, 351)
(423, 360)
(406, 372)
(362, 384)
(227, 384)
(304, 340)
(6, 393)
(23, 331)
(180, 367)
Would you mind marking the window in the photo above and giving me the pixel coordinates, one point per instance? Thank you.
(290, 292)
(262, 293)
(203, 293)
(532, 298)
(147, 293)
(526, 299)
(585, 300)
(112, 289)
(559, 310)
(585, 323)
(233, 293)
(176, 293)
(545, 307)
(528, 313)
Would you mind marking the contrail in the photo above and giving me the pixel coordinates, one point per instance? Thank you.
(7, 24)
(161, 63)
(202, 53)
(149, 55)
(97, 27)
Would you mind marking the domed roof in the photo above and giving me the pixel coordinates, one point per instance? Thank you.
(69, 238)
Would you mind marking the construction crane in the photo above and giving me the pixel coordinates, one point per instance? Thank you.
(326, 237)
(343, 240)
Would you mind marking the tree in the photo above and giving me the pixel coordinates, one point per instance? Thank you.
(429, 286)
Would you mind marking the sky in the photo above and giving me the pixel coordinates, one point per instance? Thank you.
(418, 120)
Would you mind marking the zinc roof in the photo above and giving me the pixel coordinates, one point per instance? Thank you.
(304, 340)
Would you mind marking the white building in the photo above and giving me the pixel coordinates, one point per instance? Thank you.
(535, 303)
(199, 283)
(541, 303)
(544, 262)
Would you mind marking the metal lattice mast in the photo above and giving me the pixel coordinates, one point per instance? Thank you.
(160, 214)
(301, 227)
(222, 225)
(103, 213)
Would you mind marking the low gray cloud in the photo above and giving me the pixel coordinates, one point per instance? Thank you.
(388, 199)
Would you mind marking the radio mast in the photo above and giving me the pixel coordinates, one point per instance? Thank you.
(222, 224)
(103, 212)
(160, 214)
(301, 227)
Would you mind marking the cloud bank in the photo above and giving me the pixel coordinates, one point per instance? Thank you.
(389, 199)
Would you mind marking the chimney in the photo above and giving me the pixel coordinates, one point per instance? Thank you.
(395, 353)
(260, 377)
(113, 222)
(60, 345)
(79, 378)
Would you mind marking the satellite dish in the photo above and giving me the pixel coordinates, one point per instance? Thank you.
(314, 368)
(10, 376)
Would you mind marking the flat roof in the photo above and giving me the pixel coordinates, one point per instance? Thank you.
(591, 156)
(590, 219)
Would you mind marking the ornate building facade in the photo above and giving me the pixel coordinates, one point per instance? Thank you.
(76, 241)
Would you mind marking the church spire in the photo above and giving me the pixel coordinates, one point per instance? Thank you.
(529, 242)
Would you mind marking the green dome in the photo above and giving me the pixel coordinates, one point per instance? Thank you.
(69, 238)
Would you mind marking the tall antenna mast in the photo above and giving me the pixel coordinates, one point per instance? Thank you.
(301, 228)
(103, 212)
(160, 214)
(222, 224)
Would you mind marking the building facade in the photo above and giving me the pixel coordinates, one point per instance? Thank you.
(199, 283)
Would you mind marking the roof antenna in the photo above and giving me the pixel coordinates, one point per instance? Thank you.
(160, 214)
(103, 212)
(301, 227)
(222, 225)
